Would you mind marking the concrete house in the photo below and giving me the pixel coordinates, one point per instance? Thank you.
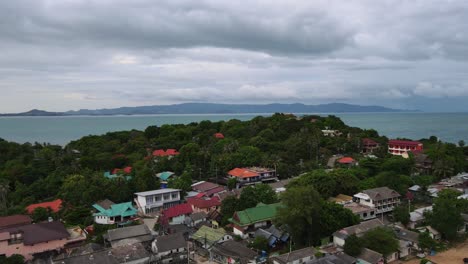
(28, 240)
(250, 219)
(152, 202)
(369, 256)
(169, 248)
(109, 213)
(128, 235)
(204, 204)
(383, 199)
(233, 252)
(206, 236)
(252, 175)
(176, 215)
(295, 257)
(196, 219)
(340, 236)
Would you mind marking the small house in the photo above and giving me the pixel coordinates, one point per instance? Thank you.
(233, 252)
(128, 235)
(304, 255)
(109, 213)
(206, 236)
(250, 219)
(176, 215)
(169, 248)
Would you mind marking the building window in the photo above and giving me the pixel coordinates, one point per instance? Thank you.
(175, 195)
(157, 198)
(167, 196)
(149, 199)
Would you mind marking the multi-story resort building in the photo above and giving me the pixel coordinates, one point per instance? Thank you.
(400, 147)
(383, 199)
(151, 202)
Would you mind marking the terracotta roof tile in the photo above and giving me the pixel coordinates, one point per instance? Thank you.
(53, 205)
(242, 173)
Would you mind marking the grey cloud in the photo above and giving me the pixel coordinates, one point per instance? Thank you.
(58, 55)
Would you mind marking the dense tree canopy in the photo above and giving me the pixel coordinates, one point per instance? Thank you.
(36, 172)
(446, 213)
(381, 240)
(309, 217)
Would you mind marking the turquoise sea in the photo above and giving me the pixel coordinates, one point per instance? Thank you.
(450, 127)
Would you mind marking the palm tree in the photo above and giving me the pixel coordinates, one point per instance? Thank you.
(4, 189)
(442, 168)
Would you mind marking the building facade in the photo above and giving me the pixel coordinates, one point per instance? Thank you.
(382, 199)
(152, 202)
(252, 175)
(108, 213)
(400, 147)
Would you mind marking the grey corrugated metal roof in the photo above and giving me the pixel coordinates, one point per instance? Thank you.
(170, 242)
(128, 232)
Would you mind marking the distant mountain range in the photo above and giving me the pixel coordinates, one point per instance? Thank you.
(209, 108)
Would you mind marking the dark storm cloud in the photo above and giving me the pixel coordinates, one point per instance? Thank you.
(66, 54)
(151, 24)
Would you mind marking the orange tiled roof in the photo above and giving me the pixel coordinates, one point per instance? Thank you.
(242, 173)
(346, 160)
(53, 205)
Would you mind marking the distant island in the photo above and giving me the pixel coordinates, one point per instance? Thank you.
(211, 108)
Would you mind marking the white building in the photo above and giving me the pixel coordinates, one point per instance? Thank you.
(154, 201)
(383, 199)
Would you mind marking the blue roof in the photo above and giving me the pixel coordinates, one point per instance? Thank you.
(165, 175)
(122, 209)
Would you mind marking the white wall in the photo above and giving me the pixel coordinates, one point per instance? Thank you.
(338, 241)
(103, 220)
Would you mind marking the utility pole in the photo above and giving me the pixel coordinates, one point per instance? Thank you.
(188, 252)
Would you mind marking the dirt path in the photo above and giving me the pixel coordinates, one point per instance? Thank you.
(451, 256)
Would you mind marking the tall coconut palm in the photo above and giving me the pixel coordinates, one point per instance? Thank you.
(4, 189)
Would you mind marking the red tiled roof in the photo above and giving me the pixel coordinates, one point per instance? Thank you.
(14, 220)
(180, 209)
(172, 152)
(127, 170)
(219, 135)
(204, 203)
(346, 160)
(53, 205)
(242, 173)
(159, 153)
(200, 195)
(404, 142)
(168, 152)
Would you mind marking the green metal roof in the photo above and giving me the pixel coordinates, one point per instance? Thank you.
(209, 234)
(122, 209)
(165, 175)
(262, 212)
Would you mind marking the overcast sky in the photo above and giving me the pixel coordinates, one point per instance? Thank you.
(70, 54)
